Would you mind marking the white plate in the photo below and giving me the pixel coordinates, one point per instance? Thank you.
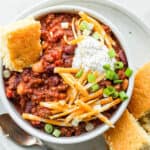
(136, 34)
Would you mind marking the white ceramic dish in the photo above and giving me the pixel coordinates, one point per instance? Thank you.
(140, 34)
(99, 130)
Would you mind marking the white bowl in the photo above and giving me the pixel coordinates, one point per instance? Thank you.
(85, 136)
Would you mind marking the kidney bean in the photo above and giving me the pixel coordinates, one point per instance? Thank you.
(68, 62)
(65, 56)
(69, 49)
(105, 83)
(122, 57)
(121, 74)
(54, 80)
(9, 93)
(48, 58)
(117, 87)
(50, 68)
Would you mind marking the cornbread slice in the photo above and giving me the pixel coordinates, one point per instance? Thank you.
(127, 135)
(140, 101)
(20, 44)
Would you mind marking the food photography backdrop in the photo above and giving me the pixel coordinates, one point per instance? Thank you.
(9, 9)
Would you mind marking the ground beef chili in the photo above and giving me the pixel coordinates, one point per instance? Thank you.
(28, 88)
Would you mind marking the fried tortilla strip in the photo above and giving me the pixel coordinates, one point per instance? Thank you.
(97, 94)
(81, 89)
(69, 79)
(106, 100)
(101, 77)
(76, 113)
(65, 70)
(90, 109)
(83, 77)
(31, 117)
(63, 113)
(73, 94)
(110, 105)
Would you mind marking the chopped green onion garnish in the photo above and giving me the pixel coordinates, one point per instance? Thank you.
(48, 128)
(111, 53)
(109, 91)
(79, 73)
(91, 78)
(128, 72)
(118, 65)
(107, 67)
(111, 75)
(86, 32)
(96, 35)
(84, 25)
(6, 74)
(94, 87)
(115, 94)
(117, 81)
(56, 133)
(123, 95)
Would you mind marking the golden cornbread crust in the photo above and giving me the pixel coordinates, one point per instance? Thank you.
(24, 46)
(127, 135)
(21, 44)
(140, 101)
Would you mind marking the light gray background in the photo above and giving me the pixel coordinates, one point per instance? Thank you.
(10, 8)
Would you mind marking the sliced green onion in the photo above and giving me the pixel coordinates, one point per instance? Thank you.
(123, 96)
(75, 122)
(48, 128)
(90, 26)
(79, 73)
(96, 35)
(128, 72)
(111, 75)
(86, 32)
(56, 133)
(89, 127)
(91, 78)
(6, 74)
(94, 87)
(84, 25)
(117, 81)
(115, 94)
(65, 25)
(107, 66)
(118, 65)
(111, 53)
(109, 91)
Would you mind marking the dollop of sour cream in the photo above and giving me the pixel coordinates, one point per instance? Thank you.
(91, 55)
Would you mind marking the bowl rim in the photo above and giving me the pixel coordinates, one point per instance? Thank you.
(85, 136)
